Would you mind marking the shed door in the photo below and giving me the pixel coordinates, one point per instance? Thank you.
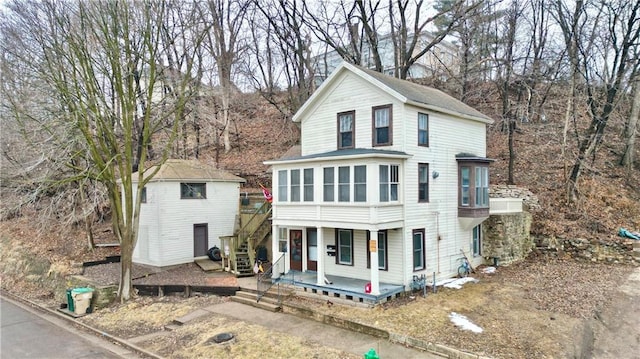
(200, 239)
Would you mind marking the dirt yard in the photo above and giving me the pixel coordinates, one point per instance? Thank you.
(535, 309)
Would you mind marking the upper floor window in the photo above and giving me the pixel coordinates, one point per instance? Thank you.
(329, 184)
(193, 190)
(482, 186)
(389, 179)
(423, 129)
(465, 174)
(346, 129)
(423, 182)
(360, 183)
(473, 183)
(382, 125)
(344, 184)
(295, 186)
(282, 185)
(308, 184)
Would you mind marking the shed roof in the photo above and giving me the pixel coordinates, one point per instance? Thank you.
(191, 170)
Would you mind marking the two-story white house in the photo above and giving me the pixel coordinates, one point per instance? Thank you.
(390, 182)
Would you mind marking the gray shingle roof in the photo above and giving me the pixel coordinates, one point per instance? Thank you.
(191, 170)
(428, 96)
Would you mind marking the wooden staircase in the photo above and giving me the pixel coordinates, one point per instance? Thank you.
(244, 266)
(254, 231)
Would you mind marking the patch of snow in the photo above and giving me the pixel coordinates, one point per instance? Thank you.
(464, 323)
(489, 270)
(457, 283)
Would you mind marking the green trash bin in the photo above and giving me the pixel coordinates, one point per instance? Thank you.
(70, 305)
(81, 300)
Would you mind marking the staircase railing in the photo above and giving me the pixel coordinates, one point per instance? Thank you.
(255, 223)
(266, 280)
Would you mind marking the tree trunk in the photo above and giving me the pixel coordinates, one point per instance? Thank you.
(631, 128)
(125, 290)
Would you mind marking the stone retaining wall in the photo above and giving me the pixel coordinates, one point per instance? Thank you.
(624, 251)
(506, 237)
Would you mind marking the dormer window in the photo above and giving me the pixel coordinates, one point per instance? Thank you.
(382, 122)
(346, 129)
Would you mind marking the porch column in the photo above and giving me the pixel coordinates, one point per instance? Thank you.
(321, 253)
(375, 275)
(275, 250)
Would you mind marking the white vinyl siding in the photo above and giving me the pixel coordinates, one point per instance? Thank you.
(168, 221)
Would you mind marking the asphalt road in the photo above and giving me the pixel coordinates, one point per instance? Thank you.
(27, 333)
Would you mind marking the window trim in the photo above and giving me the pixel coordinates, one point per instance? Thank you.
(476, 230)
(329, 188)
(344, 185)
(385, 249)
(413, 252)
(143, 195)
(424, 166)
(388, 183)
(283, 185)
(475, 167)
(338, 247)
(426, 130)
(358, 185)
(193, 185)
(295, 184)
(307, 187)
(353, 129)
(374, 132)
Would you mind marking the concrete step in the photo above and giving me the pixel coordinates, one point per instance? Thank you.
(270, 298)
(252, 302)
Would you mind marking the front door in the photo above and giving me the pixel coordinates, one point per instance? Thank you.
(295, 243)
(200, 240)
(312, 249)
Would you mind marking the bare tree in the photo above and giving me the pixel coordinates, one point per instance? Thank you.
(101, 61)
(631, 127)
(281, 58)
(406, 30)
(225, 44)
(603, 38)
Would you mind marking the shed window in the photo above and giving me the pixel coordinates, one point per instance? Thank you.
(193, 190)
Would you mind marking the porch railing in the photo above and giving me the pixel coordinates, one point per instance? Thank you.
(266, 279)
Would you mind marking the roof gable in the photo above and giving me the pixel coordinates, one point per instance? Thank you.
(403, 90)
